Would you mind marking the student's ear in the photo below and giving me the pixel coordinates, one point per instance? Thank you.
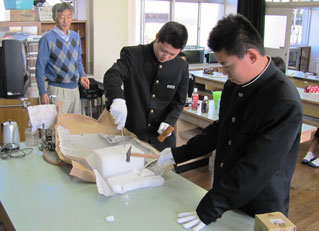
(252, 55)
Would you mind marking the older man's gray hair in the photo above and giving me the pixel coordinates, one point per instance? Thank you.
(60, 7)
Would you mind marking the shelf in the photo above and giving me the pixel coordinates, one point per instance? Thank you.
(79, 26)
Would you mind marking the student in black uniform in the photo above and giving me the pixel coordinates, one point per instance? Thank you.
(146, 88)
(280, 63)
(310, 157)
(258, 132)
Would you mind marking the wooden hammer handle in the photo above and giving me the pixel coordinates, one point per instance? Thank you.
(165, 133)
(150, 156)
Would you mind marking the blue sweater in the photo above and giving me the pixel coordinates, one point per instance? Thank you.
(59, 61)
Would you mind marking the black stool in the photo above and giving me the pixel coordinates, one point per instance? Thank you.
(90, 95)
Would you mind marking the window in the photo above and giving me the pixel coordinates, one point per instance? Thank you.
(155, 16)
(199, 17)
(301, 19)
(300, 27)
(210, 14)
(292, 0)
(187, 14)
(277, 24)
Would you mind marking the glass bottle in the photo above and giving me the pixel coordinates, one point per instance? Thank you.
(205, 105)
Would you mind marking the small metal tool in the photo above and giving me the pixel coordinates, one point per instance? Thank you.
(122, 133)
(128, 154)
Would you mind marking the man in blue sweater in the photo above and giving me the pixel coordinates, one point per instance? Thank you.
(59, 60)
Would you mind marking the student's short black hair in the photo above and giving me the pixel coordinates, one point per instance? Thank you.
(235, 35)
(280, 63)
(174, 34)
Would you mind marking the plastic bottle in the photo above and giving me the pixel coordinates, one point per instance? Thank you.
(195, 99)
(205, 105)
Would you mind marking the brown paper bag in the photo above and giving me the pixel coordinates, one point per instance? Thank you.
(79, 124)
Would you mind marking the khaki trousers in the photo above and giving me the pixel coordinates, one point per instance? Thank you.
(70, 98)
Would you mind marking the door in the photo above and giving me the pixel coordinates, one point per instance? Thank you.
(278, 23)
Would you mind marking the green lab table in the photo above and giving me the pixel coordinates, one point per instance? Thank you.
(37, 196)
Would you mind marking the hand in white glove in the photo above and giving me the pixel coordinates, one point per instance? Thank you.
(166, 156)
(118, 111)
(190, 220)
(162, 128)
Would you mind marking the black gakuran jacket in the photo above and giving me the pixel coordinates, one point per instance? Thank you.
(154, 92)
(256, 140)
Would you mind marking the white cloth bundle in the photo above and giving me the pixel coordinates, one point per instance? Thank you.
(42, 114)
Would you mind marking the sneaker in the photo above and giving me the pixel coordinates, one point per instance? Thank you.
(308, 157)
(314, 163)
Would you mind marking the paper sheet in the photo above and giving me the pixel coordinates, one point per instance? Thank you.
(42, 114)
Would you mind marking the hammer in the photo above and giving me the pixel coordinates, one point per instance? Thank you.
(129, 153)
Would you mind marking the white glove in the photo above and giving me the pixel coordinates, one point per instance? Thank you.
(190, 220)
(118, 111)
(166, 156)
(162, 128)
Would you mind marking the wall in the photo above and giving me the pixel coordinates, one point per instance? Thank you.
(84, 12)
(313, 39)
(110, 33)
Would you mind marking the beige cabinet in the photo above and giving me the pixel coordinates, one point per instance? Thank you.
(11, 109)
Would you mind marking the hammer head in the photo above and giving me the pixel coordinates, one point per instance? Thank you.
(128, 154)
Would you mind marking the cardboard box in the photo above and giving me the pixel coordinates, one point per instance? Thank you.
(275, 221)
(21, 15)
(43, 13)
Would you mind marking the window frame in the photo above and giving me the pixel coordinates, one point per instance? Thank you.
(172, 14)
(297, 4)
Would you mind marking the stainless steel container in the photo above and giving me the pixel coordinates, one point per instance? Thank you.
(10, 134)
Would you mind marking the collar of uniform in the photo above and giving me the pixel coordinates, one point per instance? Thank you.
(256, 78)
(150, 48)
(259, 81)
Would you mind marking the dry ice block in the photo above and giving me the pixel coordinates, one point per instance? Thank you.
(111, 161)
(115, 175)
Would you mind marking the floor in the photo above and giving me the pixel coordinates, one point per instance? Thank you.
(304, 193)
